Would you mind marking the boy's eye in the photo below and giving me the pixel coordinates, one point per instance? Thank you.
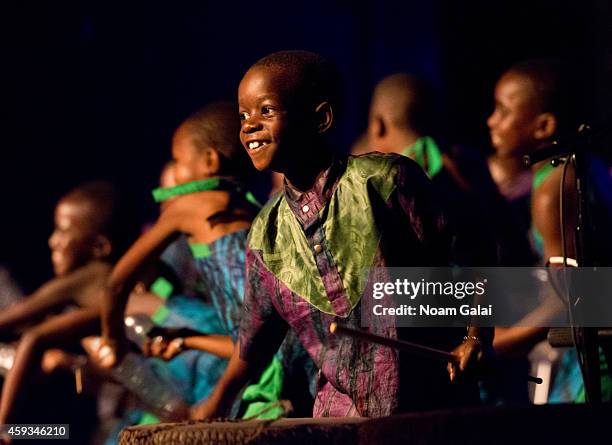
(500, 109)
(266, 110)
(243, 116)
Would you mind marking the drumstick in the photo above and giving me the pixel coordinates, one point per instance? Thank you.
(413, 348)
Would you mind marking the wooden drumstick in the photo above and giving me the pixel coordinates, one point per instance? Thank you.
(413, 348)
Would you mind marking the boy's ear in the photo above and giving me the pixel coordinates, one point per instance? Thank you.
(324, 117)
(545, 126)
(210, 162)
(102, 247)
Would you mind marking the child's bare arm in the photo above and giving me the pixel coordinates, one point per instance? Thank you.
(58, 331)
(546, 211)
(167, 348)
(219, 345)
(517, 340)
(50, 296)
(127, 271)
(235, 377)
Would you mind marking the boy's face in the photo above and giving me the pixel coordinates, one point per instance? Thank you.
(167, 177)
(188, 160)
(513, 122)
(74, 237)
(268, 127)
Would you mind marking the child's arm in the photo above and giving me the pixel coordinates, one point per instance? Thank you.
(52, 295)
(517, 340)
(417, 203)
(219, 345)
(546, 212)
(125, 275)
(236, 376)
(262, 331)
(167, 347)
(61, 330)
(477, 347)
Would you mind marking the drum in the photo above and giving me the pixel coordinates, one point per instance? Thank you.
(305, 431)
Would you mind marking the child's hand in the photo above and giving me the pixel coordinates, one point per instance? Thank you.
(163, 348)
(57, 359)
(471, 355)
(204, 410)
(103, 353)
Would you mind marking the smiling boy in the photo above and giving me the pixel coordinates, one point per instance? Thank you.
(308, 247)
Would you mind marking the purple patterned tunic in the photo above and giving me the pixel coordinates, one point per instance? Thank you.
(368, 211)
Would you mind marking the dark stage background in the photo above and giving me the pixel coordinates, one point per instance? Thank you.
(95, 89)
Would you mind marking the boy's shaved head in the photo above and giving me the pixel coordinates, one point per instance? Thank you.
(108, 213)
(532, 107)
(313, 79)
(404, 101)
(546, 92)
(216, 126)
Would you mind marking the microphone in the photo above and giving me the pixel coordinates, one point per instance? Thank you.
(583, 137)
(550, 151)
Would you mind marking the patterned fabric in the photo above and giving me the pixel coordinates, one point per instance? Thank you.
(177, 257)
(568, 386)
(222, 270)
(193, 373)
(387, 197)
(222, 267)
(351, 244)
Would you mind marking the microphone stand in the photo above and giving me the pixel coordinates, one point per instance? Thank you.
(586, 338)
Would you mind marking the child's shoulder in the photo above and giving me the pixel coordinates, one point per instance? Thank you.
(381, 164)
(87, 279)
(384, 172)
(94, 271)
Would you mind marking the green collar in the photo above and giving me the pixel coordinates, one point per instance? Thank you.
(426, 153)
(161, 194)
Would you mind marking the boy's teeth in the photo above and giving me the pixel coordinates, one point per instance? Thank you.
(256, 144)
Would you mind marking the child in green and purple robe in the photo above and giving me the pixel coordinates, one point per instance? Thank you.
(308, 247)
